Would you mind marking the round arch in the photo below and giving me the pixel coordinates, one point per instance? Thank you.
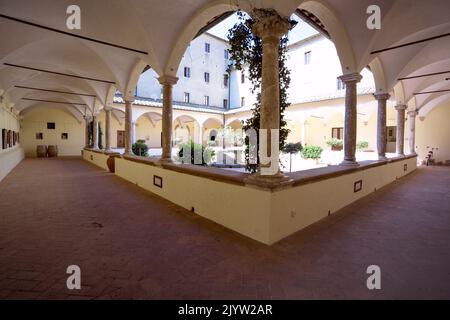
(186, 128)
(338, 34)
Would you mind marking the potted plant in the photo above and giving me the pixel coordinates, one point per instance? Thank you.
(198, 152)
(335, 144)
(361, 145)
(312, 152)
(292, 148)
(140, 148)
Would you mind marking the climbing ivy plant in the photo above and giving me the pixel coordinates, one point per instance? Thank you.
(246, 52)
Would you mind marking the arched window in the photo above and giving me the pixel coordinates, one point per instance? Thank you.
(213, 135)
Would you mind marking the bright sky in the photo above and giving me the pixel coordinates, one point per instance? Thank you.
(301, 31)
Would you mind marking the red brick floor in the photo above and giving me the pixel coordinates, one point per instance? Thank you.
(132, 244)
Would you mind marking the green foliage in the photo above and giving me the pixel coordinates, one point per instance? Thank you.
(100, 137)
(246, 52)
(140, 148)
(312, 152)
(292, 148)
(199, 153)
(362, 145)
(333, 142)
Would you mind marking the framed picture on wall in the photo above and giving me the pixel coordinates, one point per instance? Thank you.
(9, 138)
(64, 136)
(4, 139)
(39, 136)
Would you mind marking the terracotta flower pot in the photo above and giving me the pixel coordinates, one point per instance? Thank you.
(111, 163)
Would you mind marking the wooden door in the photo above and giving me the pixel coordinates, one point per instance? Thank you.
(120, 139)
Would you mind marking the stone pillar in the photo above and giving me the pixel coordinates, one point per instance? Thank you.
(381, 124)
(95, 132)
(128, 126)
(350, 81)
(270, 27)
(108, 129)
(412, 131)
(400, 149)
(133, 132)
(86, 132)
(167, 82)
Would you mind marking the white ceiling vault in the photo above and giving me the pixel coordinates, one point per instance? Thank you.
(119, 38)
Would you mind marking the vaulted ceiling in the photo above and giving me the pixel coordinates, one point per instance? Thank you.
(119, 38)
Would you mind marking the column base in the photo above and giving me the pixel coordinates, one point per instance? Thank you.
(382, 158)
(165, 160)
(400, 154)
(269, 181)
(349, 163)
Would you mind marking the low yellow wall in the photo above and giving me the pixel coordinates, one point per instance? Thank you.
(242, 209)
(295, 208)
(9, 159)
(263, 215)
(99, 159)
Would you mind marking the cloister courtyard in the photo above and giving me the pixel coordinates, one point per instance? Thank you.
(224, 149)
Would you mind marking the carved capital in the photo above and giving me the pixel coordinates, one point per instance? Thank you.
(351, 78)
(128, 99)
(168, 80)
(269, 24)
(382, 96)
(401, 107)
(413, 113)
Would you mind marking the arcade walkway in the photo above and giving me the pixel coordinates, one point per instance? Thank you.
(131, 244)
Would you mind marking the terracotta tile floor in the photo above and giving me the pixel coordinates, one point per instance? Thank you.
(132, 244)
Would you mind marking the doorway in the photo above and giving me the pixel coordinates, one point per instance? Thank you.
(120, 139)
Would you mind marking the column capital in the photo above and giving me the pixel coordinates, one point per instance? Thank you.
(269, 24)
(129, 99)
(400, 107)
(351, 78)
(412, 113)
(168, 80)
(381, 96)
(107, 108)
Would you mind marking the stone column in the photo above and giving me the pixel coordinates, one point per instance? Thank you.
(412, 131)
(108, 129)
(86, 132)
(167, 82)
(381, 124)
(128, 126)
(133, 132)
(400, 149)
(270, 27)
(350, 124)
(95, 132)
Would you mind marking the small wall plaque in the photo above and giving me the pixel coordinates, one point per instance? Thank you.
(405, 167)
(357, 186)
(157, 181)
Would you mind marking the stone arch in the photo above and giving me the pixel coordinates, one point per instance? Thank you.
(200, 19)
(377, 68)
(433, 104)
(338, 34)
(134, 78)
(185, 128)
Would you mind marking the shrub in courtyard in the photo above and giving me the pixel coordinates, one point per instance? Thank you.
(140, 148)
(361, 145)
(335, 144)
(292, 148)
(200, 155)
(312, 152)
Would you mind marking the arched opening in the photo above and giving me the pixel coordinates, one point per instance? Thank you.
(185, 129)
